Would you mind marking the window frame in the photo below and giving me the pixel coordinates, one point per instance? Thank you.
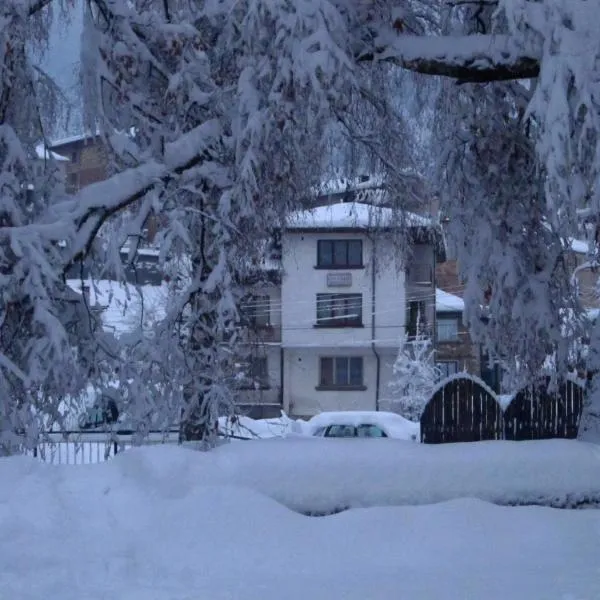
(347, 264)
(326, 302)
(444, 339)
(335, 382)
(445, 374)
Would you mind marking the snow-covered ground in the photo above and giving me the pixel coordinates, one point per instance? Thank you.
(247, 428)
(174, 524)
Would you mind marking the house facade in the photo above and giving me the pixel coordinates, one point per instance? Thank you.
(331, 328)
(87, 160)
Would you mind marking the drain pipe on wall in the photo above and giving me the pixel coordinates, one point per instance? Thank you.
(373, 298)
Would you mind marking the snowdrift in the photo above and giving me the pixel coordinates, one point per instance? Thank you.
(320, 476)
(165, 523)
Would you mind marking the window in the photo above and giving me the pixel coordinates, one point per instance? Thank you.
(416, 321)
(341, 372)
(370, 431)
(257, 310)
(447, 329)
(447, 368)
(341, 431)
(255, 373)
(339, 310)
(339, 254)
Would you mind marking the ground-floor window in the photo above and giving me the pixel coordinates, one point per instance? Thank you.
(341, 372)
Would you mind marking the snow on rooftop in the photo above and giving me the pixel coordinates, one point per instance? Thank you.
(446, 302)
(80, 137)
(123, 304)
(352, 215)
(44, 154)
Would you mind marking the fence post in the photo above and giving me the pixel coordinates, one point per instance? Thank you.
(116, 447)
(35, 452)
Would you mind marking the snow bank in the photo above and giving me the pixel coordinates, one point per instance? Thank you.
(153, 525)
(322, 475)
(316, 475)
(247, 428)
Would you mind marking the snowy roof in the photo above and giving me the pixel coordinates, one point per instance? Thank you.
(80, 137)
(43, 154)
(445, 302)
(353, 215)
(122, 304)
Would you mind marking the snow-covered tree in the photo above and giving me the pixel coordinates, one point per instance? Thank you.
(41, 322)
(214, 111)
(414, 376)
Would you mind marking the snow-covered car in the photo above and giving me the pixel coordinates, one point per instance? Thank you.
(363, 424)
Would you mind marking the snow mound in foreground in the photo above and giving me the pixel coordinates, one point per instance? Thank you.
(167, 523)
(316, 476)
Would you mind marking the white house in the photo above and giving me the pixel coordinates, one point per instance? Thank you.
(347, 295)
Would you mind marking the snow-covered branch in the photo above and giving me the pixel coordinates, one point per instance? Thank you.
(468, 58)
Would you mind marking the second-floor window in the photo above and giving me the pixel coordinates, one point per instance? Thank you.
(339, 310)
(447, 329)
(339, 254)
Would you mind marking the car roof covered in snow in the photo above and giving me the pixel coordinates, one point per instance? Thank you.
(394, 425)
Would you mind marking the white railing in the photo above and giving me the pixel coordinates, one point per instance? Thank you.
(83, 448)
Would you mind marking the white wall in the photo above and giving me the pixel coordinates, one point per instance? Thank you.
(302, 398)
(302, 282)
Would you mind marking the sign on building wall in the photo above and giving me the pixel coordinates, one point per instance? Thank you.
(339, 279)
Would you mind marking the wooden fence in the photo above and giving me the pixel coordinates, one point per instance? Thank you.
(536, 414)
(465, 410)
(462, 410)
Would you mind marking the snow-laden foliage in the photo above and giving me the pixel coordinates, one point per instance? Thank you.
(565, 103)
(510, 246)
(41, 321)
(414, 376)
(217, 114)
